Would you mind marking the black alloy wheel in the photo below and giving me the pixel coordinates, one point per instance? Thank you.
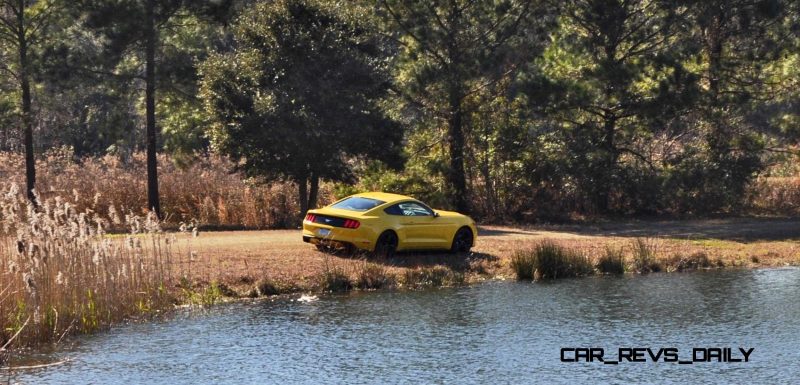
(462, 241)
(386, 245)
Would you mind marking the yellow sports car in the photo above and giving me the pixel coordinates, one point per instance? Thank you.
(384, 223)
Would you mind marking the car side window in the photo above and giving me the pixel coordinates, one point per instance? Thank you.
(414, 209)
(409, 209)
(393, 210)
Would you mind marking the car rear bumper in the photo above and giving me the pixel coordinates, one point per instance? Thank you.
(337, 236)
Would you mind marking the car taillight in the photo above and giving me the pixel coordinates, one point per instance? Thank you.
(351, 224)
(311, 217)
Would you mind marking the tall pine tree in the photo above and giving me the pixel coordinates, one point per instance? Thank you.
(453, 49)
(136, 26)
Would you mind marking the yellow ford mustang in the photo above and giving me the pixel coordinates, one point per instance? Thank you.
(384, 223)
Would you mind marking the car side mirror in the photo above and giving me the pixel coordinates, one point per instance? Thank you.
(435, 214)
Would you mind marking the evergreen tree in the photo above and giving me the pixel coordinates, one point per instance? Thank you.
(137, 25)
(300, 95)
(23, 26)
(620, 66)
(453, 49)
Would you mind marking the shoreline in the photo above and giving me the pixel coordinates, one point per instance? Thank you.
(240, 261)
(216, 267)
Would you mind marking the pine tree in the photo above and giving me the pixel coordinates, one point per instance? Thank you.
(452, 49)
(299, 98)
(136, 25)
(23, 25)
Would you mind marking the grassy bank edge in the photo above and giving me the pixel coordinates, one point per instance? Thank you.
(564, 262)
(542, 260)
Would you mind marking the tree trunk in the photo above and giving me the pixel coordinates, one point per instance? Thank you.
(609, 131)
(718, 134)
(153, 202)
(313, 192)
(302, 187)
(27, 120)
(714, 49)
(456, 177)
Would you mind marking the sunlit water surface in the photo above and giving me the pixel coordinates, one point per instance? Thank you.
(497, 332)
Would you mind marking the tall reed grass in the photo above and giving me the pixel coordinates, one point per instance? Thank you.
(775, 196)
(206, 191)
(60, 273)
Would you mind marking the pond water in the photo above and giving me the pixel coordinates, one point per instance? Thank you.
(496, 332)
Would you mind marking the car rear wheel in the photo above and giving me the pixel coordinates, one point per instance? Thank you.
(386, 245)
(462, 241)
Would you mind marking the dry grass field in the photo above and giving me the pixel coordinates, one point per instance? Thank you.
(241, 259)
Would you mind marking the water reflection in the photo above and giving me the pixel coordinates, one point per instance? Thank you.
(499, 332)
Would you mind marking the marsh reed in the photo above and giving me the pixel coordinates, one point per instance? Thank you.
(61, 274)
(205, 191)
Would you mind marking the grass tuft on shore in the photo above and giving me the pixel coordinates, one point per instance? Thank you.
(372, 276)
(644, 256)
(694, 261)
(267, 287)
(334, 279)
(612, 261)
(549, 260)
(435, 276)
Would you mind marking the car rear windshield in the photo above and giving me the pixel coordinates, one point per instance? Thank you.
(357, 204)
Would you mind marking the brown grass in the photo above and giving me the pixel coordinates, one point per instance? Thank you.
(775, 196)
(242, 258)
(60, 274)
(206, 192)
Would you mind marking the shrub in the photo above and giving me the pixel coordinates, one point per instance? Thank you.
(335, 279)
(548, 260)
(436, 276)
(267, 287)
(698, 260)
(775, 195)
(373, 276)
(523, 262)
(644, 256)
(612, 262)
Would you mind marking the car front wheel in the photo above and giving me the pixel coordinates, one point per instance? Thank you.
(462, 241)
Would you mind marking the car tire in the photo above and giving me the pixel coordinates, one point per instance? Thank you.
(386, 245)
(462, 241)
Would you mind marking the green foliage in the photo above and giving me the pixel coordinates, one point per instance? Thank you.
(414, 180)
(449, 51)
(513, 110)
(299, 96)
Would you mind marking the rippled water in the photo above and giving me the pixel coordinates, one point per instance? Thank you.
(498, 332)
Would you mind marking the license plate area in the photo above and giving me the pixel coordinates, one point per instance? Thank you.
(323, 232)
